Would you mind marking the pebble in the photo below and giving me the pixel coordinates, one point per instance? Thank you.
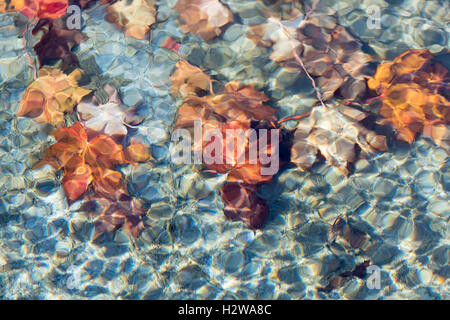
(63, 248)
(233, 32)
(382, 187)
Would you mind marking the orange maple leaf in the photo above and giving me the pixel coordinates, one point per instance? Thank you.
(89, 161)
(413, 90)
(51, 95)
(51, 9)
(236, 156)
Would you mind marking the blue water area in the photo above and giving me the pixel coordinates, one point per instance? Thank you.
(391, 210)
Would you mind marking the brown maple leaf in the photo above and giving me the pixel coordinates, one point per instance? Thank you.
(133, 16)
(413, 89)
(326, 50)
(203, 17)
(51, 95)
(241, 103)
(57, 42)
(243, 175)
(234, 109)
(188, 114)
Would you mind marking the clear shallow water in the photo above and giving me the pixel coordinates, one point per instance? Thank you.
(398, 198)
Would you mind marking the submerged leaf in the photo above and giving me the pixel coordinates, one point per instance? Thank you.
(111, 118)
(133, 16)
(203, 17)
(81, 158)
(235, 144)
(413, 91)
(334, 132)
(325, 49)
(188, 114)
(57, 42)
(242, 203)
(351, 236)
(242, 103)
(188, 80)
(51, 95)
(41, 9)
(229, 143)
(237, 102)
(231, 111)
(337, 281)
(77, 178)
(89, 161)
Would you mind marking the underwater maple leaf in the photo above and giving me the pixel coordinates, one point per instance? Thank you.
(188, 80)
(237, 109)
(235, 152)
(80, 157)
(410, 62)
(111, 118)
(41, 9)
(242, 203)
(233, 109)
(188, 114)
(12, 5)
(325, 49)
(239, 192)
(51, 95)
(133, 16)
(237, 102)
(413, 89)
(87, 161)
(334, 132)
(57, 42)
(203, 17)
(241, 103)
